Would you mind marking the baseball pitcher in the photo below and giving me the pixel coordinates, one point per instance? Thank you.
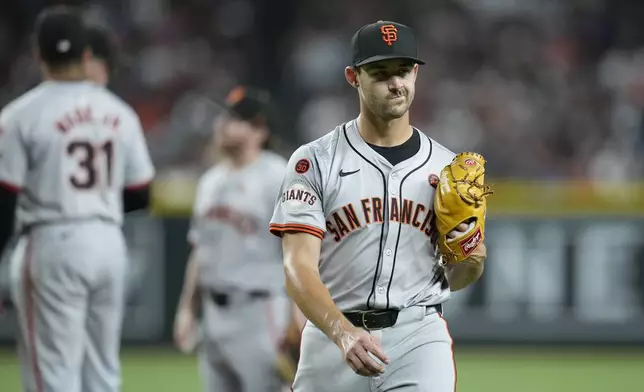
(357, 217)
(235, 275)
(73, 158)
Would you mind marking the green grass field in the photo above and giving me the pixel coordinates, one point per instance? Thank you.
(480, 370)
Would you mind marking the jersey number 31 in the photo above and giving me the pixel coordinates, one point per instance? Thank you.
(90, 160)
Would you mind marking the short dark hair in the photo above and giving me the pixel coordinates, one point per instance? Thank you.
(103, 47)
(254, 106)
(61, 36)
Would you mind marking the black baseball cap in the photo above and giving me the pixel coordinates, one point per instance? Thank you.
(102, 45)
(61, 35)
(254, 106)
(247, 103)
(383, 40)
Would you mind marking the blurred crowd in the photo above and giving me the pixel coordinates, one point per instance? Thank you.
(545, 89)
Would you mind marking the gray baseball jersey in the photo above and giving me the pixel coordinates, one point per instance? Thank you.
(374, 219)
(230, 211)
(375, 222)
(237, 256)
(70, 148)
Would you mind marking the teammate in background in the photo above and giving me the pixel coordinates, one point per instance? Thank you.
(73, 158)
(234, 276)
(100, 67)
(355, 220)
(97, 69)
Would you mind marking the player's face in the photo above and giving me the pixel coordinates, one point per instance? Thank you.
(234, 135)
(96, 71)
(387, 87)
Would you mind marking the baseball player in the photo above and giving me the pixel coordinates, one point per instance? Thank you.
(102, 63)
(98, 69)
(73, 158)
(355, 217)
(235, 274)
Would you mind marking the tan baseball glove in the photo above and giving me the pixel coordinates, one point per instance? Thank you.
(461, 198)
(286, 364)
(289, 353)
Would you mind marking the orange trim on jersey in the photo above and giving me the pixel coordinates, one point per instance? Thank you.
(28, 288)
(10, 187)
(278, 230)
(452, 347)
(138, 185)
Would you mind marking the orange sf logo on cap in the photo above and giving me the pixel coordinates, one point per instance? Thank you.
(389, 33)
(235, 95)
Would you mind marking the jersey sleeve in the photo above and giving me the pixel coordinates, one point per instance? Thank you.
(298, 207)
(139, 170)
(274, 184)
(13, 155)
(194, 234)
(193, 231)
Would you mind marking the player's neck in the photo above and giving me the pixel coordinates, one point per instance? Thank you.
(72, 73)
(245, 157)
(384, 133)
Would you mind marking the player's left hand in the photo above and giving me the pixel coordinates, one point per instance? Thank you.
(464, 273)
(460, 230)
(478, 255)
(461, 200)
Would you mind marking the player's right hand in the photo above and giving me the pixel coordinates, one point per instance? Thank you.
(361, 351)
(185, 330)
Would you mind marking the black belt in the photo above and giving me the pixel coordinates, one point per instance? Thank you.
(87, 219)
(225, 299)
(378, 319)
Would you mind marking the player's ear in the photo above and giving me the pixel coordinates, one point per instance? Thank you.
(351, 74)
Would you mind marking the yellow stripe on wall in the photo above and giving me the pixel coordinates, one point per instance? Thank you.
(565, 199)
(173, 197)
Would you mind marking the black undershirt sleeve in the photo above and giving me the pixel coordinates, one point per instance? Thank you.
(8, 202)
(133, 200)
(136, 199)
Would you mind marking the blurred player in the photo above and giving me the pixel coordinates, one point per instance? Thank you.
(101, 65)
(97, 69)
(234, 275)
(72, 158)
